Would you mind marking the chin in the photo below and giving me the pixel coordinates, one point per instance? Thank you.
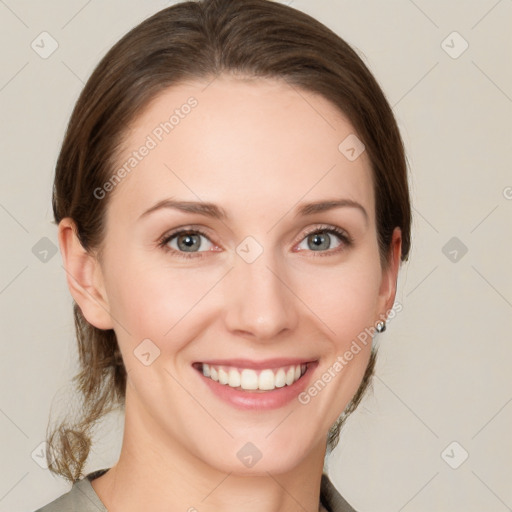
(258, 458)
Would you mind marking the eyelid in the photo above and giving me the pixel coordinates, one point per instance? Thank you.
(341, 233)
(326, 227)
(165, 238)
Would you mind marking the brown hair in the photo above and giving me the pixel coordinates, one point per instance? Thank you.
(200, 40)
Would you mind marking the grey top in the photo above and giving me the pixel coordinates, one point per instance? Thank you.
(83, 498)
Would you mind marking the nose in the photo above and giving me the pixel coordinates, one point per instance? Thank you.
(260, 302)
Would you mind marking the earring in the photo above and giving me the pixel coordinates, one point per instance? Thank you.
(381, 326)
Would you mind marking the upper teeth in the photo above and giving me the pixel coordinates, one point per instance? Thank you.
(247, 378)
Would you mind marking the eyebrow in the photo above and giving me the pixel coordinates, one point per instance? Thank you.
(214, 211)
(322, 206)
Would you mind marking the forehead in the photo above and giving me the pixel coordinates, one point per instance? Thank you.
(250, 145)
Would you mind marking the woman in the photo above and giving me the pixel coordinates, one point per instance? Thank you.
(232, 206)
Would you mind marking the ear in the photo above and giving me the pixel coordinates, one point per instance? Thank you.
(84, 276)
(388, 285)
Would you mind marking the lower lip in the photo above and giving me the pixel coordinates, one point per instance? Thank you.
(259, 400)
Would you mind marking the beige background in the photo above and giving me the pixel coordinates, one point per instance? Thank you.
(444, 369)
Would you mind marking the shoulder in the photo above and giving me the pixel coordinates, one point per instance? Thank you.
(332, 500)
(81, 498)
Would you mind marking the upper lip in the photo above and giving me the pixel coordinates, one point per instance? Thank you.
(258, 365)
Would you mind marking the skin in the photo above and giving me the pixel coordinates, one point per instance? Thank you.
(257, 148)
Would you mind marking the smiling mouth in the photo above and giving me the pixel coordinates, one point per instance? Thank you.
(248, 379)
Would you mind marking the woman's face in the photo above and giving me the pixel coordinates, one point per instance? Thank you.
(254, 290)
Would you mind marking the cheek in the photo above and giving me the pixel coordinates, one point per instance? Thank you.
(150, 301)
(159, 302)
(344, 297)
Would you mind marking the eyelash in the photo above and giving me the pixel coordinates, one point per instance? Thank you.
(343, 235)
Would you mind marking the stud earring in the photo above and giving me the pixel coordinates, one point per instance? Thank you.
(381, 326)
